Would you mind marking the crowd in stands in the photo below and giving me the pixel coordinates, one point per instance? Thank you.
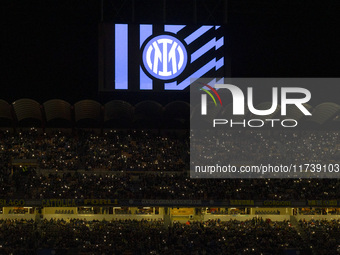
(165, 186)
(160, 163)
(276, 147)
(18, 237)
(112, 150)
(254, 236)
(150, 165)
(150, 151)
(323, 235)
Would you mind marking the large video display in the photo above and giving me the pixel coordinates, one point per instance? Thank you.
(135, 57)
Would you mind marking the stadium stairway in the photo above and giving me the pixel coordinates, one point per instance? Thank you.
(302, 233)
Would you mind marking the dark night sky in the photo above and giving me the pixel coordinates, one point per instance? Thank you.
(49, 49)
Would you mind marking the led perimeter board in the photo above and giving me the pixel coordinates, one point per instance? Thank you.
(145, 57)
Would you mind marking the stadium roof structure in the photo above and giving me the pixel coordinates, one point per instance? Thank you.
(148, 114)
(324, 112)
(145, 114)
(118, 113)
(87, 112)
(56, 111)
(28, 112)
(176, 114)
(295, 113)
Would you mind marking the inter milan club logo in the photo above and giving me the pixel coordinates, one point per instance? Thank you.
(165, 57)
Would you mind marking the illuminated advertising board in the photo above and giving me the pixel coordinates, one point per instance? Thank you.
(159, 57)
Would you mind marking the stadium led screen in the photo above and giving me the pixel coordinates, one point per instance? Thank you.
(159, 57)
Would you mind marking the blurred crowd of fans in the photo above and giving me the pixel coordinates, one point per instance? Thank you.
(163, 186)
(254, 236)
(162, 162)
(323, 235)
(140, 150)
(276, 147)
(145, 164)
(114, 150)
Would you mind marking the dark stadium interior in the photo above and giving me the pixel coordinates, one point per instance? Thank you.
(84, 171)
(50, 48)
